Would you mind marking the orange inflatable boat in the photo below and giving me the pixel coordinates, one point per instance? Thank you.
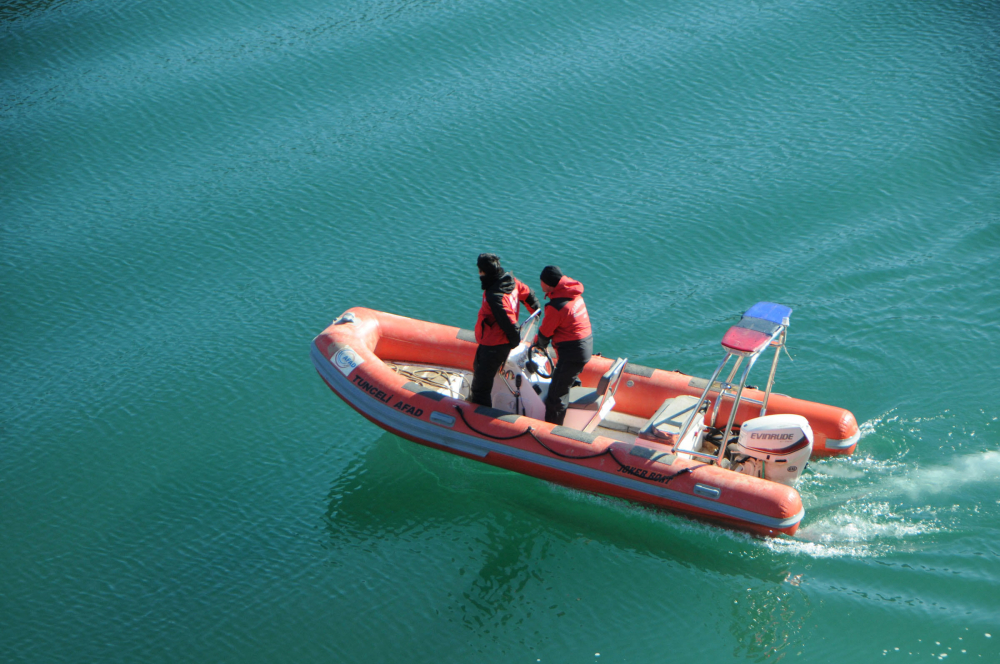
(712, 449)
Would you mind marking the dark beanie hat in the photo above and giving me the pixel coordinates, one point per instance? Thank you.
(489, 264)
(551, 275)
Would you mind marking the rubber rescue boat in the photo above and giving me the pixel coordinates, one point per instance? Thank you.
(712, 449)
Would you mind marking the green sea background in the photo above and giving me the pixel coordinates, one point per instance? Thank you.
(191, 191)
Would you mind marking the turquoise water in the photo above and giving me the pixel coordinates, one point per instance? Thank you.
(190, 191)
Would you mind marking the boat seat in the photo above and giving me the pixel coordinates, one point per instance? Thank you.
(584, 398)
(670, 419)
(629, 424)
(588, 406)
(589, 398)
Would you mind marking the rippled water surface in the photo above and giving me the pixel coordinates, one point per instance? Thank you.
(190, 191)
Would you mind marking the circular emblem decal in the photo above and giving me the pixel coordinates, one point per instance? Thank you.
(346, 360)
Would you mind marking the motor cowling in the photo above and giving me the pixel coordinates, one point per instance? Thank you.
(776, 447)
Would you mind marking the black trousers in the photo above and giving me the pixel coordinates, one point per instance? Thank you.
(488, 361)
(557, 399)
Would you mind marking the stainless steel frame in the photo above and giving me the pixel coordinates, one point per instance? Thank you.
(777, 341)
(774, 367)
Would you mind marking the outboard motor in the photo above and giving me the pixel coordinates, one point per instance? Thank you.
(776, 447)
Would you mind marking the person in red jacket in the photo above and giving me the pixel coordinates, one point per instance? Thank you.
(567, 326)
(496, 327)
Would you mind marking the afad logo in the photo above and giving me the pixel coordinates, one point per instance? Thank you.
(346, 360)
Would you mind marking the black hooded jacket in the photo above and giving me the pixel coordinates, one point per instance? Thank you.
(497, 323)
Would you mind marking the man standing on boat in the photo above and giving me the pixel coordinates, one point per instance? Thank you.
(496, 327)
(567, 326)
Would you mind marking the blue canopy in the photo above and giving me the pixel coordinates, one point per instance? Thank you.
(776, 313)
(756, 328)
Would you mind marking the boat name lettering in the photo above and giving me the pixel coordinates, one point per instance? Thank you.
(372, 389)
(772, 436)
(407, 408)
(642, 473)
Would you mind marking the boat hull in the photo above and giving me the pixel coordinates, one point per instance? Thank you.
(351, 358)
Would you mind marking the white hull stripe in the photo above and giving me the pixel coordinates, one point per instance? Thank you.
(832, 444)
(479, 447)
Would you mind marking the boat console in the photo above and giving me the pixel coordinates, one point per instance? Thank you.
(522, 384)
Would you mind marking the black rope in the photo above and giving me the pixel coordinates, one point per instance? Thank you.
(628, 470)
(682, 471)
(483, 433)
(605, 451)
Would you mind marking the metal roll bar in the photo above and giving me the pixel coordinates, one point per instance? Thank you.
(777, 341)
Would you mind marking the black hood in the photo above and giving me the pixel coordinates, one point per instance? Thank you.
(504, 283)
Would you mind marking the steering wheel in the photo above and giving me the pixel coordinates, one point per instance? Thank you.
(543, 360)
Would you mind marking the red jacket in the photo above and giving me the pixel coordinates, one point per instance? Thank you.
(497, 322)
(566, 317)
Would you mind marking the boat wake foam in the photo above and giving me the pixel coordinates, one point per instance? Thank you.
(876, 517)
(869, 532)
(969, 469)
